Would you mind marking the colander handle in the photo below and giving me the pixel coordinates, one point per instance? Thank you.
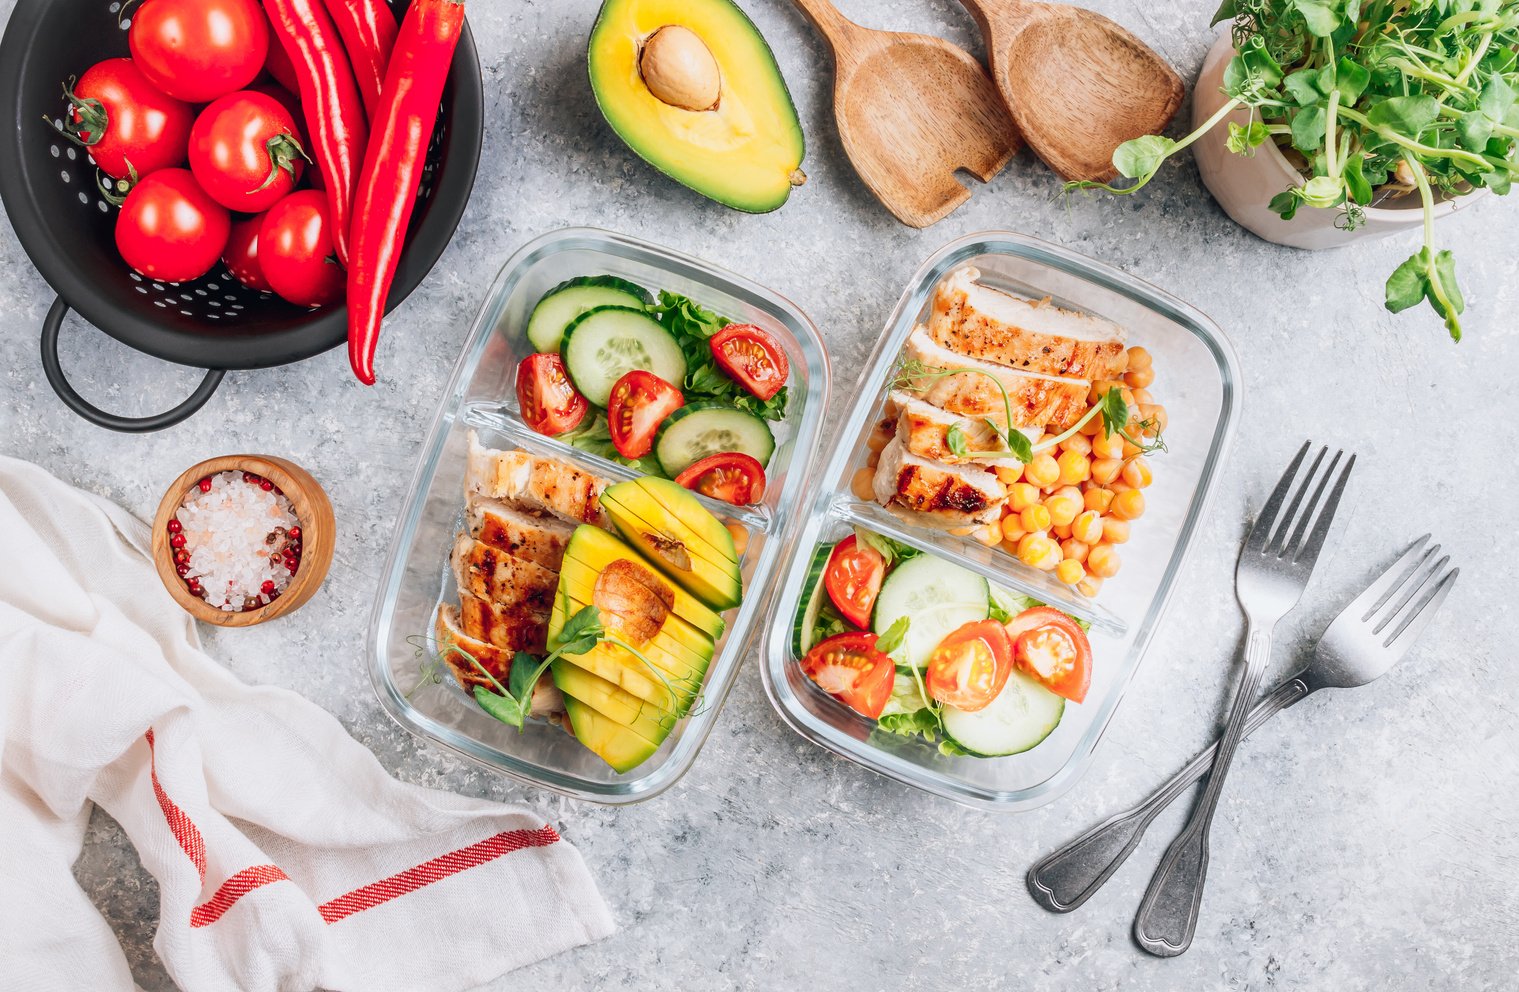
(128, 425)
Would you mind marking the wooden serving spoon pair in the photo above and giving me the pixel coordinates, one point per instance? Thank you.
(912, 109)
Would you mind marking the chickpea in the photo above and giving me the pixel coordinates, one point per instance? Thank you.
(1129, 505)
(1061, 533)
(1009, 474)
(1079, 443)
(1098, 499)
(1103, 561)
(740, 536)
(1105, 470)
(1070, 572)
(1154, 416)
(1022, 495)
(1143, 398)
(1139, 359)
(1042, 471)
(1035, 518)
(1074, 550)
(1010, 544)
(1136, 472)
(1129, 448)
(1089, 586)
(1012, 531)
(963, 531)
(1119, 486)
(1074, 467)
(1063, 508)
(1087, 527)
(1093, 426)
(878, 439)
(1074, 492)
(1115, 531)
(1107, 445)
(989, 534)
(863, 484)
(1139, 378)
(1038, 551)
(1100, 388)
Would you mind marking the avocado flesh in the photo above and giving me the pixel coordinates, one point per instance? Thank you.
(673, 535)
(642, 717)
(609, 740)
(746, 152)
(671, 661)
(596, 549)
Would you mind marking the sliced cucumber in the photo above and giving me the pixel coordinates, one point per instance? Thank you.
(1023, 714)
(810, 603)
(701, 429)
(570, 299)
(937, 597)
(606, 343)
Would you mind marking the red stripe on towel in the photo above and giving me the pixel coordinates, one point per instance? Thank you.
(428, 872)
(180, 825)
(234, 889)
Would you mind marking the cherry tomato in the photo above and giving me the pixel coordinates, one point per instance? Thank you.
(853, 578)
(970, 666)
(245, 152)
(1053, 648)
(732, 477)
(752, 357)
(549, 401)
(241, 254)
(639, 403)
(295, 250)
(169, 229)
(127, 124)
(848, 667)
(198, 50)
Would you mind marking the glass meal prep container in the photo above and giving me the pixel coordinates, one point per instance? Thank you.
(1197, 379)
(481, 397)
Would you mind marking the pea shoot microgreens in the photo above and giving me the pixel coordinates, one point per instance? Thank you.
(1379, 97)
(1111, 407)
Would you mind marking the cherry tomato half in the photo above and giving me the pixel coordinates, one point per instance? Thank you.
(549, 402)
(639, 403)
(127, 124)
(853, 578)
(169, 229)
(1054, 649)
(245, 151)
(198, 50)
(731, 476)
(752, 358)
(849, 668)
(241, 254)
(295, 250)
(970, 666)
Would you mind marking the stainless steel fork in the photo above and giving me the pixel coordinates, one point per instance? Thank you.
(1274, 566)
(1368, 638)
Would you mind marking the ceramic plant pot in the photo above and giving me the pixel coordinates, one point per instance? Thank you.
(1244, 185)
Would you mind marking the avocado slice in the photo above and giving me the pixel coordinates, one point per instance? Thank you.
(596, 549)
(609, 740)
(642, 717)
(677, 534)
(693, 88)
(674, 659)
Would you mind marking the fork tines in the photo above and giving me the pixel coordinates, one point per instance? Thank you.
(1418, 571)
(1298, 534)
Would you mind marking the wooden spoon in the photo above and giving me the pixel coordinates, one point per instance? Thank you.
(911, 110)
(1078, 84)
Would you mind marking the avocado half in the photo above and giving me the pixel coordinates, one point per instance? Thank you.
(746, 149)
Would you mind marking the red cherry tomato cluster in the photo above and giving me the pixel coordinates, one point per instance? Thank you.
(202, 129)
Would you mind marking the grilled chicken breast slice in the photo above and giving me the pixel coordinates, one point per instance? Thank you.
(924, 431)
(1037, 400)
(499, 525)
(451, 635)
(534, 483)
(490, 574)
(945, 495)
(1032, 335)
(510, 628)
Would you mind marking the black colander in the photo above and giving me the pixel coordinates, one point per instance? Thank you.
(50, 191)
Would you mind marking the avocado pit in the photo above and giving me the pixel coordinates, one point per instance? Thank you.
(680, 70)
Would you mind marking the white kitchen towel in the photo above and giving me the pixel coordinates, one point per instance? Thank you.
(286, 858)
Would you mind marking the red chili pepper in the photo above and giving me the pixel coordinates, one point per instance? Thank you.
(368, 29)
(393, 167)
(330, 98)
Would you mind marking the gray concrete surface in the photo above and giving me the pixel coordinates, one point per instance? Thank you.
(1367, 841)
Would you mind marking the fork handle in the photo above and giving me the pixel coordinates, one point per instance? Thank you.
(1064, 879)
(1167, 916)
